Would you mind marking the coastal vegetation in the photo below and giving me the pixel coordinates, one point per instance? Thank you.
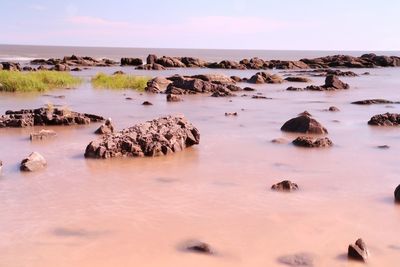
(38, 81)
(120, 81)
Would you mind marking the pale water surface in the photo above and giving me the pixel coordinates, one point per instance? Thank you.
(138, 212)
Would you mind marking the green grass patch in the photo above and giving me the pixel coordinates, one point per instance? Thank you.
(38, 81)
(120, 81)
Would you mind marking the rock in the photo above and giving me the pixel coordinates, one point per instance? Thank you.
(298, 79)
(1, 166)
(158, 137)
(264, 77)
(157, 85)
(358, 251)
(396, 192)
(28, 68)
(33, 162)
(305, 141)
(170, 62)
(260, 97)
(129, 61)
(226, 64)
(42, 134)
(305, 113)
(236, 79)
(106, 128)
(45, 116)
(128, 98)
(173, 98)
(11, 66)
(286, 186)
(147, 103)
(214, 78)
(231, 113)
(74, 61)
(304, 124)
(333, 109)
(374, 101)
(119, 72)
(248, 89)
(332, 81)
(199, 247)
(383, 147)
(386, 119)
(291, 88)
(151, 59)
(192, 62)
(153, 66)
(301, 259)
(76, 69)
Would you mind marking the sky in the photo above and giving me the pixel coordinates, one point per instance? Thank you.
(216, 24)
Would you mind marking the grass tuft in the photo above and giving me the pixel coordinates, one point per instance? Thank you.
(120, 81)
(38, 81)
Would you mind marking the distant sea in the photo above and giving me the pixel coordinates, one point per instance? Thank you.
(28, 52)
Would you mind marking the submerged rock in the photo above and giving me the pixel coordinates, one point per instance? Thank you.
(129, 61)
(264, 77)
(158, 137)
(106, 128)
(397, 193)
(298, 79)
(45, 116)
(199, 247)
(42, 134)
(333, 109)
(304, 124)
(386, 119)
(231, 113)
(305, 141)
(147, 103)
(296, 260)
(332, 83)
(173, 98)
(374, 101)
(285, 186)
(358, 251)
(33, 162)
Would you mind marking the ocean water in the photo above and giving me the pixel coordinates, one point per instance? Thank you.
(139, 211)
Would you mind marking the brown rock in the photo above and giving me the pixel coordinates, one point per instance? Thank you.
(33, 162)
(128, 61)
(304, 124)
(173, 98)
(286, 186)
(147, 103)
(305, 141)
(358, 251)
(397, 193)
(298, 79)
(386, 119)
(199, 247)
(374, 101)
(106, 128)
(42, 134)
(333, 109)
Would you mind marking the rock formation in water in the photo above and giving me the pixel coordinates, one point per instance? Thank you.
(74, 61)
(304, 124)
(129, 61)
(45, 116)
(157, 137)
(265, 77)
(285, 186)
(358, 251)
(386, 119)
(33, 162)
(374, 101)
(310, 142)
(106, 128)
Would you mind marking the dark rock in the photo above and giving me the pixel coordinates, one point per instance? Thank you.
(192, 62)
(33, 162)
(61, 67)
(332, 81)
(305, 141)
(298, 79)
(173, 98)
(147, 103)
(74, 61)
(333, 109)
(199, 247)
(396, 193)
(128, 98)
(129, 61)
(248, 89)
(304, 124)
(296, 260)
(260, 97)
(386, 119)
(119, 72)
(28, 68)
(236, 79)
(42, 134)
(358, 251)
(291, 88)
(106, 128)
(153, 66)
(76, 69)
(374, 101)
(157, 85)
(170, 62)
(264, 77)
(383, 147)
(231, 113)
(158, 137)
(285, 186)
(45, 116)
(226, 64)
(305, 113)
(11, 66)
(151, 59)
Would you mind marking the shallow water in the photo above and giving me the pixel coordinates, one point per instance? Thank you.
(137, 212)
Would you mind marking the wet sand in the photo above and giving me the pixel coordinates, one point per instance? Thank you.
(137, 212)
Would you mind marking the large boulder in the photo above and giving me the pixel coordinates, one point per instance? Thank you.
(33, 162)
(306, 141)
(45, 116)
(151, 59)
(358, 251)
(304, 124)
(11, 66)
(129, 61)
(157, 137)
(386, 119)
(153, 66)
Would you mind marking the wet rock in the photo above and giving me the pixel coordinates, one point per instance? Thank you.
(333, 109)
(236, 79)
(304, 124)
(305, 141)
(129, 61)
(42, 135)
(45, 116)
(106, 128)
(173, 98)
(383, 147)
(119, 72)
(11, 66)
(386, 119)
(226, 64)
(199, 247)
(170, 62)
(153, 66)
(332, 81)
(151, 59)
(147, 103)
(157, 85)
(192, 62)
(291, 88)
(305, 113)
(231, 113)
(298, 79)
(285, 186)
(61, 67)
(374, 101)
(248, 89)
(396, 192)
(260, 97)
(33, 162)
(301, 259)
(358, 251)
(264, 77)
(158, 137)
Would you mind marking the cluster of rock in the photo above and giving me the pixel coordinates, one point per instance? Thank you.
(386, 119)
(306, 141)
(332, 83)
(285, 186)
(11, 66)
(157, 137)
(106, 128)
(45, 116)
(365, 61)
(322, 73)
(265, 77)
(374, 101)
(67, 62)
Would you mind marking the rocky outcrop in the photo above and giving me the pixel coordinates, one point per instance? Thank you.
(131, 61)
(306, 141)
(374, 101)
(304, 124)
(226, 64)
(365, 61)
(11, 66)
(285, 186)
(396, 192)
(298, 79)
(264, 77)
(33, 162)
(106, 128)
(45, 116)
(42, 135)
(386, 119)
(75, 61)
(157, 85)
(170, 62)
(358, 251)
(153, 66)
(157, 137)
(332, 83)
